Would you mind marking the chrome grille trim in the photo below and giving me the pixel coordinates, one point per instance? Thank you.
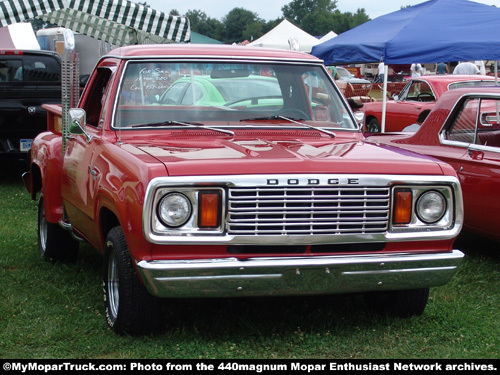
(354, 184)
(308, 211)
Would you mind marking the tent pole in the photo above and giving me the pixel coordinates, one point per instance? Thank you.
(384, 99)
(496, 73)
(496, 84)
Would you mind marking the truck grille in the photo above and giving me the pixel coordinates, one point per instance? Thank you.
(308, 210)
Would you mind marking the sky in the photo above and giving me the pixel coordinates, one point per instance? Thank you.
(271, 9)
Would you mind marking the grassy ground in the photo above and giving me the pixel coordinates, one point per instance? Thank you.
(56, 311)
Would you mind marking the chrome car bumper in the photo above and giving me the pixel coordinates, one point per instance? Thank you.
(276, 276)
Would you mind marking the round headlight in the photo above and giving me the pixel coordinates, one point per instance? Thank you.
(431, 207)
(174, 209)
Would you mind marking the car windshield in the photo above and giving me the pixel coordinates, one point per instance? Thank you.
(344, 73)
(158, 93)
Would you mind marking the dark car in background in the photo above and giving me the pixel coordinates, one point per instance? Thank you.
(28, 79)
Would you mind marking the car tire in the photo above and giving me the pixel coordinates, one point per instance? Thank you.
(54, 242)
(402, 303)
(373, 126)
(130, 308)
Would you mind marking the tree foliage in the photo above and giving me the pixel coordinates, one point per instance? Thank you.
(316, 17)
(236, 22)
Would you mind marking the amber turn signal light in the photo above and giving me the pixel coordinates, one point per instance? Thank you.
(209, 209)
(402, 207)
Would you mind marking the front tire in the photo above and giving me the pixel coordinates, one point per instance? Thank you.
(373, 126)
(129, 307)
(402, 303)
(54, 243)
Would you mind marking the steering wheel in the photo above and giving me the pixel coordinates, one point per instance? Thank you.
(168, 101)
(423, 95)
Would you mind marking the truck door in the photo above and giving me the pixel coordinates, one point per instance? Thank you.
(80, 176)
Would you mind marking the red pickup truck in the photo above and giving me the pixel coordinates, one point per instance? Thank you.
(227, 171)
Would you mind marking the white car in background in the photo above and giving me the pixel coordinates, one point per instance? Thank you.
(347, 76)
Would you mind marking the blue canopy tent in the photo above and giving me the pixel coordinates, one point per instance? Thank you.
(430, 32)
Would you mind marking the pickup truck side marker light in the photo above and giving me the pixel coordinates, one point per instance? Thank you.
(402, 207)
(209, 209)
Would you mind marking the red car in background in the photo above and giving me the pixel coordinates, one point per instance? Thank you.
(419, 94)
(463, 129)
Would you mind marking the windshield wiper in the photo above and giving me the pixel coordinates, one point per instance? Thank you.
(165, 123)
(332, 134)
(261, 118)
(195, 125)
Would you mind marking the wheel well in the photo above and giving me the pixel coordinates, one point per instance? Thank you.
(369, 118)
(108, 221)
(36, 180)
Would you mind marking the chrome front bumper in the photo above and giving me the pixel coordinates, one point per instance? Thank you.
(277, 276)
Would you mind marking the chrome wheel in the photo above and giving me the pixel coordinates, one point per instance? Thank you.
(113, 287)
(129, 306)
(54, 243)
(42, 229)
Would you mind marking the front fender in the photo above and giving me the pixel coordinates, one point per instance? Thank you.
(120, 187)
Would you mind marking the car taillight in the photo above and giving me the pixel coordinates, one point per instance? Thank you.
(11, 52)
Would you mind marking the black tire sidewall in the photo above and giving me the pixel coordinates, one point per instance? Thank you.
(55, 243)
(138, 311)
(373, 123)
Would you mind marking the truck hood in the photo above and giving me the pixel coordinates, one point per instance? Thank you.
(218, 156)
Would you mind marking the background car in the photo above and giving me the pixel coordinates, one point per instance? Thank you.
(418, 94)
(463, 129)
(347, 76)
(208, 90)
(240, 91)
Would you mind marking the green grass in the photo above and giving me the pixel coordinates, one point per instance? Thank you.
(56, 311)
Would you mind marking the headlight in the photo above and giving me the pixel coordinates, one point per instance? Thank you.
(174, 209)
(431, 207)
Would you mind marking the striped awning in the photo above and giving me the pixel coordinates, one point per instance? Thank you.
(119, 22)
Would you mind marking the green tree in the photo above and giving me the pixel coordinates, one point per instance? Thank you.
(253, 31)
(318, 17)
(204, 25)
(312, 16)
(359, 17)
(297, 10)
(236, 22)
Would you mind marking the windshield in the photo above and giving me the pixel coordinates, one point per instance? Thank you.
(158, 93)
(344, 73)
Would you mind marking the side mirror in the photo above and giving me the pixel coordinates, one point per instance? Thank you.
(359, 117)
(395, 97)
(78, 119)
